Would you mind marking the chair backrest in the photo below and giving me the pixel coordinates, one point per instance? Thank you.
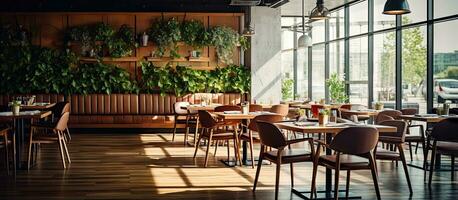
(345, 106)
(392, 113)
(281, 109)
(355, 140)
(446, 130)
(316, 109)
(381, 118)
(265, 118)
(270, 135)
(401, 128)
(62, 123)
(409, 111)
(206, 119)
(255, 108)
(228, 108)
(177, 107)
(60, 108)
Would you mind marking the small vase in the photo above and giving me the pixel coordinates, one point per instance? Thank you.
(378, 106)
(323, 119)
(144, 40)
(16, 110)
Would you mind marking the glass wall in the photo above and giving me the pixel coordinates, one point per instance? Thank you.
(372, 59)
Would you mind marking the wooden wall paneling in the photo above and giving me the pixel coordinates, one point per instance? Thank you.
(76, 19)
(143, 23)
(52, 29)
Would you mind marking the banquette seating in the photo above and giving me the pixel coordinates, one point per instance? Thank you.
(125, 110)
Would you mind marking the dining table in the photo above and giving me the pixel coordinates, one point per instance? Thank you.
(194, 108)
(19, 122)
(38, 106)
(330, 130)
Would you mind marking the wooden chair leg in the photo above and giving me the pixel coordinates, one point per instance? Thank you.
(216, 147)
(374, 175)
(291, 174)
(277, 177)
(174, 128)
(61, 150)
(7, 158)
(208, 149)
(29, 157)
(251, 152)
(66, 151)
(432, 163)
(404, 164)
(67, 133)
(228, 150)
(336, 179)
(258, 170)
(197, 146)
(314, 173)
(347, 186)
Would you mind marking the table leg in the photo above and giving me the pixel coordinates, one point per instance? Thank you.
(244, 144)
(328, 183)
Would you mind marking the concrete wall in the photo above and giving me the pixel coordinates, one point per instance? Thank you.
(265, 55)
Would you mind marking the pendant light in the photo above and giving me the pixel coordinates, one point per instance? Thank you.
(396, 7)
(304, 40)
(248, 30)
(319, 12)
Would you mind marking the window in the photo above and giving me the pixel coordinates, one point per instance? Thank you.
(318, 74)
(358, 70)
(445, 62)
(418, 12)
(287, 58)
(336, 25)
(385, 67)
(382, 21)
(414, 68)
(444, 8)
(358, 18)
(302, 73)
(318, 31)
(336, 57)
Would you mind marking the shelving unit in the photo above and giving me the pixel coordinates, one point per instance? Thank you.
(109, 59)
(182, 59)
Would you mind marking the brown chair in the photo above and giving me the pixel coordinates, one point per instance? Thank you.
(4, 144)
(397, 139)
(271, 136)
(45, 134)
(349, 145)
(419, 139)
(183, 116)
(212, 132)
(392, 113)
(255, 108)
(445, 142)
(251, 136)
(315, 109)
(232, 122)
(57, 111)
(281, 109)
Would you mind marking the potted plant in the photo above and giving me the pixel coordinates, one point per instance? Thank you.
(323, 116)
(378, 105)
(16, 107)
(336, 85)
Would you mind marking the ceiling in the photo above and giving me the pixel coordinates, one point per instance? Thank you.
(293, 7)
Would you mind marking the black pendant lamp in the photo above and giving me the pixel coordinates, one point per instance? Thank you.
(319, 12)
(396, 7)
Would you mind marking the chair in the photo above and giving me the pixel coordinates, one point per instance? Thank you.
(349, 145)
(189, 118)
(444, 141)
(381, 116)
(271, 136)
(255, 108)
(251, 136)
(4, 143)
(398, 140)
(45, 134)
(57, 111)
(315, 109)
(419, 139)
(281, 109)
(212, 132)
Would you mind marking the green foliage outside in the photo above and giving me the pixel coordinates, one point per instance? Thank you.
(336, 85)
(287, 89)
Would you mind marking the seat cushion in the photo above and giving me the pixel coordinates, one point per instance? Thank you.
(449, 148)
(289, 155)
(246, 136)
(220, 135)
(384, 154)
(346, 161)
(413, 138)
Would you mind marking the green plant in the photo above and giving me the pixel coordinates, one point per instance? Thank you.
(244, 43)
(224, 39)
(336, 85)
(166, 34)
(81, 34)
(325, 112)
(157, 78)
(194, 34)
(123, 43)
(102, 31)
(287, 88)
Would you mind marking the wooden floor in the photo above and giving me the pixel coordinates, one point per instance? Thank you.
(150, 166)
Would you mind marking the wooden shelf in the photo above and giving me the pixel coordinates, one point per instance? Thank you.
(182, 59)
(109, 59)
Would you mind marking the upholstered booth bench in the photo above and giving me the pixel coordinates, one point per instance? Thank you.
(125, 110)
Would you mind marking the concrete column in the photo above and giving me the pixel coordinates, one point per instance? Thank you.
(265, 55)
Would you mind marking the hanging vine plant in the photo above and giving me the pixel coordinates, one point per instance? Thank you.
(166, 35)
(224, 39)
(194, 34)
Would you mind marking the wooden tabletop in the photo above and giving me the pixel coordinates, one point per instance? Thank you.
(330, 128)
(250, 115)
(309, 106)
(38, 106)
(196, 107)
(428, 119)
(25, 115)
(369, 112)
